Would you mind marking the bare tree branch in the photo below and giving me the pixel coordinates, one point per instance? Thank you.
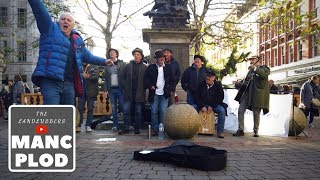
(96, 6)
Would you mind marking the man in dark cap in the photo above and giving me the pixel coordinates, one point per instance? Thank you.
(256, 96)
(114, 84)
(134, 91)
(175, 70)
(159, 80)
(209, 98)
(192, 77)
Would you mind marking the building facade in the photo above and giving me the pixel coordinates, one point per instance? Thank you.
(19, 39)
(292, 54)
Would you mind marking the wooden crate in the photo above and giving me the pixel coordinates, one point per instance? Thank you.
(207, 123)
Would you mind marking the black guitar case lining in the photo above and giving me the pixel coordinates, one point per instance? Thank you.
(187, 154)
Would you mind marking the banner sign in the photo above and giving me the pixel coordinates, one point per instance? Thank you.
(275, 123)
(41, 138)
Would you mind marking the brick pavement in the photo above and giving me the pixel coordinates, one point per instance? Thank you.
(248, 158)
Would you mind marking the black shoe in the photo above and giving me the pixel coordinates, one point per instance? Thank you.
(238, 133)
(255, 134)
(125, 131)
(136, 131)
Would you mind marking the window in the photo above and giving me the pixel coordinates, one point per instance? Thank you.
(275, 57)
(3, 16)
(263, 34)
(282, 55)
(276, 27)
(22, 18)
(315, 44)
(282, 26)
(299, 14)
(4, 44)
(299, 50)
(268, 59)
(290, 53)
(291, 20)
(22, 52)
(269, 32)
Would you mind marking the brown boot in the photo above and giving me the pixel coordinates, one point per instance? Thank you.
(220, 135)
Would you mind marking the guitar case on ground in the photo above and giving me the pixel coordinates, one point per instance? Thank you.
(186, 154)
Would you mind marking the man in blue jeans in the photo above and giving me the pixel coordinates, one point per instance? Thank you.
(61, 52)
(91, 78)
(114, 85)
(134, 92)
(159, 80)
(209, 98)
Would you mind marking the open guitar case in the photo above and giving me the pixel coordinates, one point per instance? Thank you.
(186, 154)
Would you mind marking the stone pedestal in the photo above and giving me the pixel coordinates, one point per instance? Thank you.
(178, 40)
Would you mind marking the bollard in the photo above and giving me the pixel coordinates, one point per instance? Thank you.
(149, 131)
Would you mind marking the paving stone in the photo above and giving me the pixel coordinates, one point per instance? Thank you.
(248, 158)
(152, 176)
(138, 176)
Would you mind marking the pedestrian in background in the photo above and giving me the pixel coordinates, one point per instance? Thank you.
(310, 89)
(18, 89)
(91, 91)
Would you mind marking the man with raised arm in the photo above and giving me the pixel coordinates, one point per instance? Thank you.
(61, 53)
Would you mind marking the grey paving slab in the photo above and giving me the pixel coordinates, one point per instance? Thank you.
(248, 158)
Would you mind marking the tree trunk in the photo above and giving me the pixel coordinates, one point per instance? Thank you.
(108, 38)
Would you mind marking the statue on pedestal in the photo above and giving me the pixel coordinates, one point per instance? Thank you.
(169, 14)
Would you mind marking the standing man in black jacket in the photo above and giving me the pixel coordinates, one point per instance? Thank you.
(91, 91)
(159, 80)
(134, 91)
(192, 77)
(174, 65)
(209, 98)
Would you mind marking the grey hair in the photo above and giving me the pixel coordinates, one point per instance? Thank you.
(68, 13)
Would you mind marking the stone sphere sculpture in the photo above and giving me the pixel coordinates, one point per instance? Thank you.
(300, 119)
(181, 121)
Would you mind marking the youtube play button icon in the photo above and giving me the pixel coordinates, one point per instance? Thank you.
(41, 129)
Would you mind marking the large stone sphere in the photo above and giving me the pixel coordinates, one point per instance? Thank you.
(181, 121)
(300, 119)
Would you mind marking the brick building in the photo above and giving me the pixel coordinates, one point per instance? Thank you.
(292, 56)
